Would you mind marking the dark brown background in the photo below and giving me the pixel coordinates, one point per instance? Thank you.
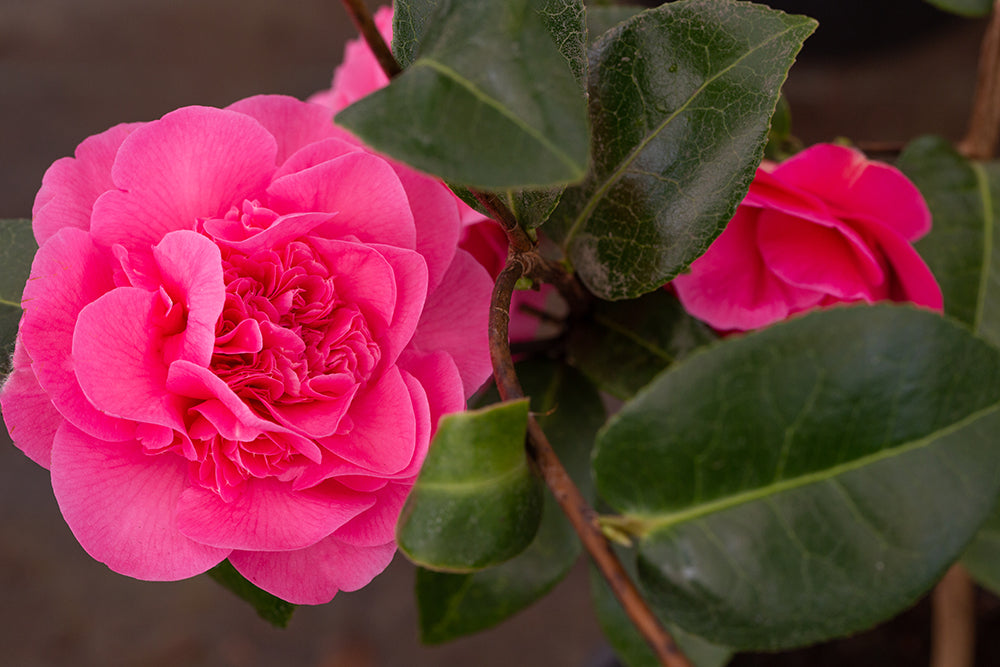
(70, 68)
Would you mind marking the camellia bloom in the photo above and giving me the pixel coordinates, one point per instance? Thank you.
(239, 333)
(825, 226)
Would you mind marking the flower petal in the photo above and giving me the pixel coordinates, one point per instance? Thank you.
(118, 355)
(120, 505)
(435, 214)
(383, 439)
(194, 163)
(291, 123)
(31, 418)
(376, 525)
(730, 286)
(191, 270)
(72, 185)
(315, 574)
(455, 320)
(832, 259)
(848, 181)
(268, 516)
(68, 273)
(361, 188)
(911, 279)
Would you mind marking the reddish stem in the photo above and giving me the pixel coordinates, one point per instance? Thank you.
(369, 31)
(980, 141)
(953, 620)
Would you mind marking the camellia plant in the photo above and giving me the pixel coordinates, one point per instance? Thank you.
(256, 341)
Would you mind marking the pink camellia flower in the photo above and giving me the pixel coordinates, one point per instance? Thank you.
(823, 227)
(239, 333)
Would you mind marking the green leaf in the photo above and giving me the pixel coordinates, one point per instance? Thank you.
(17, 249)
(680, 102)
(622, 345)
(533, 207)
(808, 480)
(960, 248)
(630, 646)
(964, 7)
(476, 502)
(982, 557)
(452, 605)
(489, 100)
(780, 142)
(274, 610)
(963, 251)
(601, 18)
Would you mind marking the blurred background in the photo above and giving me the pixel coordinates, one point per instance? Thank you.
(877, 71)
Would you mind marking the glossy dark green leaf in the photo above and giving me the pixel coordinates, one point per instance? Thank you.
(564, 19)
(630, 646)
(452, 605)
(489, 99)
(622, 345)
(476, 502)
(963, 252)
(274, 610)
(982, 557)
(17, 249)
(681, 98)
(960, 248)
(601, 18)
(808, 480)
(964, 7)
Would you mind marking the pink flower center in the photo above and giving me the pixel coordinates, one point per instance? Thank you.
(292, 351)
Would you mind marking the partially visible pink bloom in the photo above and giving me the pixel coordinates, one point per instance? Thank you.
(359, 75)
(239, 333)
(826, 226)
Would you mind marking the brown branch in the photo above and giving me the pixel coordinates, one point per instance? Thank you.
(980, 140)
(362, 19)
(574, 505)
(953, 620)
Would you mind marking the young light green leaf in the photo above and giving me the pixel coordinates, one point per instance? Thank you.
(968, 8)
(622, 345)
(779, 482)
(452, 605)
(17, 249)
(476, 502)
(489, 99)
(274, 610)
(680, 102)
(630, 646)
